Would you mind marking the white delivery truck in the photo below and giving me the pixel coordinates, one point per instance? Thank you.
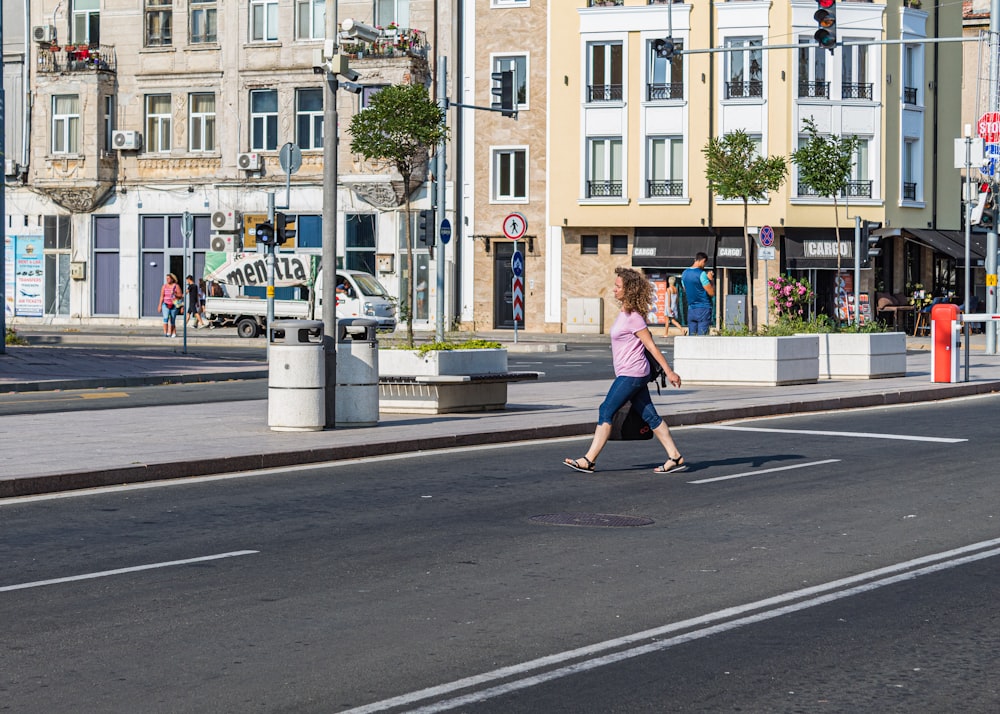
(358, 295)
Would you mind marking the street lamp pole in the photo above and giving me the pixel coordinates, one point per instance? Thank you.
(329, 254)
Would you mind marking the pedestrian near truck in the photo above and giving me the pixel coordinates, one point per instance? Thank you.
(193, 304)
(629, 337)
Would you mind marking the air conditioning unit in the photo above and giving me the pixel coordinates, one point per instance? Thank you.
(43, 33)
(9, 167)
(248, 162)
(226, 221)
(223, 243)
(126, 140)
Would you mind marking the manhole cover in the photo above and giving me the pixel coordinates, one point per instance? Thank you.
(601, 520)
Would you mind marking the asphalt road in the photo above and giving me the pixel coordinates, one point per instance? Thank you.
(581, 363)
(780, 573)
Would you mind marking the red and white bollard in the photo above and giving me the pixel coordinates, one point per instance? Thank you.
(945, 328)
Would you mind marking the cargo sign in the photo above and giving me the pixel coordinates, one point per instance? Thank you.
(251, 269)
(827, 249)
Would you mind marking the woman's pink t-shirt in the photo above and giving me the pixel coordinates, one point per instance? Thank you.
(627, 349)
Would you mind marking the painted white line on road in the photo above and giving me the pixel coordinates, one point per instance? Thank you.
(766, 471)
(852, 434)
(844, 587)
(120, 571)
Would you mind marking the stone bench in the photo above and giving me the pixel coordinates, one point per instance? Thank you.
(446, 393)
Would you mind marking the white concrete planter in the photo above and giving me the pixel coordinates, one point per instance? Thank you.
(410, 363)
(862, 356)
(747, 360)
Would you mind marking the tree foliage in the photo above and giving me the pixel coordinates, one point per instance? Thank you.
(736, 170)
(398, 128)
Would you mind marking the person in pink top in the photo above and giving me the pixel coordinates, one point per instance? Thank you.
(629, 337)
(170, 303)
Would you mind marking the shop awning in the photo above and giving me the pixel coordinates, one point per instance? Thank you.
(951, 243)
(672, 248)
(806, 248)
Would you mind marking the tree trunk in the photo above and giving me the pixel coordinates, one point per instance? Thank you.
(750, 322)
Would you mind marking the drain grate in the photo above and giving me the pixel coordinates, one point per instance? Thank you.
(600, 520)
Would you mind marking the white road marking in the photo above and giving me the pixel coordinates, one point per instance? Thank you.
(771, 607)
(120, 571)
(766, 471)
(851, 434)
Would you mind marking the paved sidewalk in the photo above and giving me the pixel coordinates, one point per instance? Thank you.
(69, 450)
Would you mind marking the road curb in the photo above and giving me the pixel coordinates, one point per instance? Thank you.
(139, 473)
(121, 382)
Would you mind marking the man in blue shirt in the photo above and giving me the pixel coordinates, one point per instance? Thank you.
(699, 290)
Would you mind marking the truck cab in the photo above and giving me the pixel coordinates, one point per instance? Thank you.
(362, 295)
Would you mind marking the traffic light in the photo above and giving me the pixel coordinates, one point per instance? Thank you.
(265, 233)
(826, 18)
(282, 232)
(870, 243)
(505, 91)
(425, 227)
(979, 210)
(664, 48)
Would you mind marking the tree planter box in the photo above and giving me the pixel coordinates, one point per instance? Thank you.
(747, 360)
(863, 356)
(446, 381)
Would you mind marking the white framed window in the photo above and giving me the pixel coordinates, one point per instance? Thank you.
(510, 174)
(86, 28)
(310, 19)
(202, 122)
(158, 123)
(309, 118)
(159, 21)
(519, 65)
(368, 91)
(666, 76)
(813, 80)
(854, 71)
(204, 22)
(264, 119)
(66, 124)
(108, 120)
(665, 166)
(912, 66)
(263, 20)
(604, 167)
(604, 72)
(744, 75)
(388, 12)
(510, 3)
(911, 189)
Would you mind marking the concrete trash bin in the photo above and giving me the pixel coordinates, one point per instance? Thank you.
(296, 386)
(357, 373)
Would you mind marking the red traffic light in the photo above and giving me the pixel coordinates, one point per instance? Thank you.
(826, 4)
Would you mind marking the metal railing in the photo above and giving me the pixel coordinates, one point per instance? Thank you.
(392, 42)
(657, 189)
(745, 90)
(604, 93)
(814, 89)
(80, 58)
(669, 90)
(909, 191)
(604, 189)
(910, 95)
(604, 3)
(853, 189)
(856, 91)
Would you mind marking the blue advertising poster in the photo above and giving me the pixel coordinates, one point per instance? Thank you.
(29, 276)
(8, 277)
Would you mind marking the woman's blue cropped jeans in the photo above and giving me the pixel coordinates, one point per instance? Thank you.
(632, 389)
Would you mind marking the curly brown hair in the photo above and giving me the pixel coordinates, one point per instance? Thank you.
(637, 292)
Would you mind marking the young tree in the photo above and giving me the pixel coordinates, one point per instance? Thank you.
(824, 164)
(734, 170)
(397, 129)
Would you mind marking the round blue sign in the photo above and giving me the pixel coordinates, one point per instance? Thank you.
(767, 236)
(445, 231)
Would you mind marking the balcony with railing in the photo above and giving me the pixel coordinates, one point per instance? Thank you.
(604, 93)
(669, 90)
(856, 91)
(663, 189)
(604, 189)
(909, 191)
(853, 189)
(393, 42)
(910, 95)
(753, 89)
(814, 90)
(77, 58)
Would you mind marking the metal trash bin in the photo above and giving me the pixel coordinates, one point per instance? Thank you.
(357, 373)
(296, 386)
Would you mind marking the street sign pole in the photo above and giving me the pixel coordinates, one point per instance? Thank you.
(187, 229)
(857, 271)
(442, 196)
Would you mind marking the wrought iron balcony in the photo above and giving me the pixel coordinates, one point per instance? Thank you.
(658, 189)
(604, 93)
(910, 95)
(77, 58)
(745, 90)
(814, 89)
(393, 42)
(909, 191)
(604, 189)
(856, 91)
(853, 189)
(669, 90)
(604, 3)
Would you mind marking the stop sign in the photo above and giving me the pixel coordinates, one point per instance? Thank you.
(988, 127)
